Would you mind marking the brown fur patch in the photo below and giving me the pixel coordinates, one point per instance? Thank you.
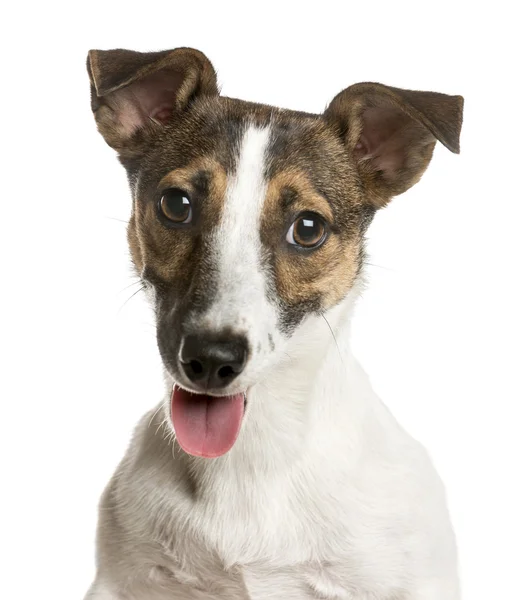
(169, 252)
(323, 275)
(304, 196)
(134, 245)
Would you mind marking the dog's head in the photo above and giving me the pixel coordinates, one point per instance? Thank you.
(247, 218)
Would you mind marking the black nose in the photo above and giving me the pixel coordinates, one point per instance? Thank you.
(213, 364)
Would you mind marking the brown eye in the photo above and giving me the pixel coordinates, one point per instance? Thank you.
(175, 206)
(307, 231)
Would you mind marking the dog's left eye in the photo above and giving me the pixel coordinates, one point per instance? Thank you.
(175, 206)
(307, 231)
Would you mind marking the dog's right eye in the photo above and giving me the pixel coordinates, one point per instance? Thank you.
(175, 206)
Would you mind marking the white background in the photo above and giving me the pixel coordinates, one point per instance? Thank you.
(436, 329)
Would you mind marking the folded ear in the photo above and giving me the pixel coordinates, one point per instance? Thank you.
(391, 133)
(134, 93)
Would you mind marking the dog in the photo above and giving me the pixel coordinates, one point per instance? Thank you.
(270, 470)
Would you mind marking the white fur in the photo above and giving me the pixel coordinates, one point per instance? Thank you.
(241, 301)
(324, 495)
(99, 591)
(323, 474)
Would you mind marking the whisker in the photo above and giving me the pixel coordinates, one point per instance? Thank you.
(154, 414)
(161, 425)
(287, 355)
(333, 335)
(131, 296)
(268, 390)
(173, 447)
(131, 285)
(115, 219)
(370, 264)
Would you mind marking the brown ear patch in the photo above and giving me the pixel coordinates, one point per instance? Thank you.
(319, 277)
(391, 133)
(133, 93)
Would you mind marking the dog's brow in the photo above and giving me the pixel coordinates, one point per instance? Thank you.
(201, 180)
(294, 190)
(289, 196)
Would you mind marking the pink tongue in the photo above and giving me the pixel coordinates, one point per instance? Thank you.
(206, 426)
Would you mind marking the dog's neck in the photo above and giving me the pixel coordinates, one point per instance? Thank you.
(309, 406)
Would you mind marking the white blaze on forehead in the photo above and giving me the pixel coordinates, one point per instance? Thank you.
(241, 284)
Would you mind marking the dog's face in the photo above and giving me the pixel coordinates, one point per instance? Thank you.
(247, 218)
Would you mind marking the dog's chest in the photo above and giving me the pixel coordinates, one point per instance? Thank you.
(306, 535)
(266, 544)
(254, 582)
(268, 523)
(300, 582)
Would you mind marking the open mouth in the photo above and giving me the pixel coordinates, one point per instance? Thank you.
(206, 426)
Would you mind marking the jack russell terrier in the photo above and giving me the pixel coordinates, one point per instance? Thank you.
(271, 470)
